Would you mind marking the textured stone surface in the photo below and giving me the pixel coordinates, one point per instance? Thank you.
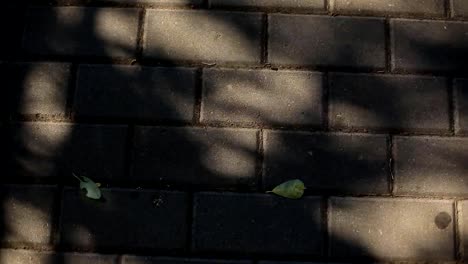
(130, 219)
(261, 224)
(463, 227)
(393, 7)
(262, 96)
(431, 165)
(81, 31)
(10, 256)
(165, 260)
(218, 36)
(312, 41)
(459, 8)
(299, 4)
(461, 95)
(287, 262)
(155, 2)
(38, 149)
(43, 150)
(429, 45)
(386, 228)
(135, 92)
(34, 257)
(342, 163)
(27, 214)
(36, 88)
(78, 258)
(210, 157)
(389, 102)
(178, 97)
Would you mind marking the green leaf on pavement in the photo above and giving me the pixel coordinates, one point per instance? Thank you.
(293, 189)
(92, 188)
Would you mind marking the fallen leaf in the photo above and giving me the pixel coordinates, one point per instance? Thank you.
(293, 189)
(92, 188)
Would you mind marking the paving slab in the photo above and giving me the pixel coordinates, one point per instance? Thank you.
(130, 219)
(430, 165)
(262, 97)
(82, 31)
(304, 40)
(198, 157)
(262, 224)
(41, 151)
(459, 8)
(386, 228)
(339, 163)
(429, 8)
(295, 4)
(27, 214)
(149, 93)
(220, 37)
(461, 105)
(37, 88)
(407, 103)
(166, 260)
(428, 45)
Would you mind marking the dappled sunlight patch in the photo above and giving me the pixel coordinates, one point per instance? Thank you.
(262, 97)
(391, 228)
(103, 32)
(228, 161)
(40, 146)
(10, 256)
(220, 157)
(116, 30)
(341, 118)
(24, 222)
(193, 126)
(27, 214)
(217, 36)
(227, 153)
(42, 89)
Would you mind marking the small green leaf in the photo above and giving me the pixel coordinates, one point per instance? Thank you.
(92, 188)
(293, 189)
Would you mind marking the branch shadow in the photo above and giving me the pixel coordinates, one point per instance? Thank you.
(174, 155)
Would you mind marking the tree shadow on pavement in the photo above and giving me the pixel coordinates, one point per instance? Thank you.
(195, 158)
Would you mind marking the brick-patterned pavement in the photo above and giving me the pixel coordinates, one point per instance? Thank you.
(188, 111)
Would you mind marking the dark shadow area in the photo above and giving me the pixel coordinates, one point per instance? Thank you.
(146, 130)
